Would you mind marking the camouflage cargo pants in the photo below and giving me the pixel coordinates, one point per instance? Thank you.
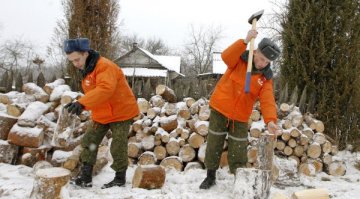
(219, 127)
(118, 149)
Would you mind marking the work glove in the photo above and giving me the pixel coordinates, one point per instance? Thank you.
(74, 108)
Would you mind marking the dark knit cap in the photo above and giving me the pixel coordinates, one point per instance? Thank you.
(269, 49)
(79, 44)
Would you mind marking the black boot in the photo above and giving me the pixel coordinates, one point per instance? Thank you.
(119, 180)
(209, 181)
(85, 177)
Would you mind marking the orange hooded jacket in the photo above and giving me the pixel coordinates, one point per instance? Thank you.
(107, 94)
(229, 97)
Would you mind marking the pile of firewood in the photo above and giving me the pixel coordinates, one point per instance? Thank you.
(168, 132)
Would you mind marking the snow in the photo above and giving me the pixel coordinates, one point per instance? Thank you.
(27, 131)
(144, 72)
(58, 92)
(17, 180)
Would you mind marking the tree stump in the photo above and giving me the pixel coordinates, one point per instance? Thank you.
(149, 177)
(49, 182)
(252, 183)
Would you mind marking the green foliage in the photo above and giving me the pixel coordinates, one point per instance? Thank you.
(321, 50)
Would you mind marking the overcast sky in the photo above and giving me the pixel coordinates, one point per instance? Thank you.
(35, 20)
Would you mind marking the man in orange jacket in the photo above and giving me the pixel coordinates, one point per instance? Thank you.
(112, 104)
(231, 107)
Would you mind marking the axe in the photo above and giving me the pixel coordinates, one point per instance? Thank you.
(252, 20)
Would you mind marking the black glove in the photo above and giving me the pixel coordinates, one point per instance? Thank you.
(74, 108)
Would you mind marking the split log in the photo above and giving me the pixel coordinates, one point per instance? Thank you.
(252, 183)
(8, 98)
(69, 96)
(255, 130)
(252, 154)
(49, 183)
(147, 158)
(149, 177)
(25, 136)
(189, 101)
(266, 152)
(166, 93)
(6, 123)
(49, 87)
(73, 160)
(36, 91)
(319, 138)
(172, 162)
(187, 153)
(8, 152)
(15, 110)
(29, 117)
(65, 127)
(58, 92)
(311, 194)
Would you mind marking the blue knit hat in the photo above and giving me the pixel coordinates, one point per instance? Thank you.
(79, 44)
(269, 49)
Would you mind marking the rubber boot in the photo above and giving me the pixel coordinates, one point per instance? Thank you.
(119, 180)
(85, 177)
(210, 179)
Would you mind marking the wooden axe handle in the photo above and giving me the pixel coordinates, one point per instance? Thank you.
(250, 60)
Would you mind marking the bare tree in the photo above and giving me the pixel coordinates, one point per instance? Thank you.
(201, 44)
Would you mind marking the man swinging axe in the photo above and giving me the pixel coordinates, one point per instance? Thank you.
(231, 106)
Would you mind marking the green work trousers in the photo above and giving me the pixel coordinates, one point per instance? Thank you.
(118, 149)
(219, 127)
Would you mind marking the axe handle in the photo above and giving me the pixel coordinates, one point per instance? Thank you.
(250, 60)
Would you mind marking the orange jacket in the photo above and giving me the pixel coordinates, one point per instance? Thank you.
(107, 94)
(229, 97)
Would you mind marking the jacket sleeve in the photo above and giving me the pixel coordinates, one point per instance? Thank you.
(106, 80)
(231, 55)
(267, 102)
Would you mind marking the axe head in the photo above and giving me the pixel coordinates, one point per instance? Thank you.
(256, 16)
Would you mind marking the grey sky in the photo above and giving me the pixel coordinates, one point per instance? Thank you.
(35, 20)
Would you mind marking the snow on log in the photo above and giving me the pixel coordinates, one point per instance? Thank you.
(172, 162)
(26, 136)
(252, 183)
(143, 105)
(65, 127)
(58, 92)
(195, 140)
(33, 112)
(187, 153)
(336, 168)
(69, 96)
(6, 123)
(36, 91)
(168, 123)
(149, 177)
(49, 87)
(8, 152)
(160, 152)
(147, 158)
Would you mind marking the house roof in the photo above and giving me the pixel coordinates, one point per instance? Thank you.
(144, 72)
(172, 63)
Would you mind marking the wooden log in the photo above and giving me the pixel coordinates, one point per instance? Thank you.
(193, 165)
(318, 165)
(195, 140)
(314, 150)
(49, 183)
(33, 89)
(58, 92)
(32, 113)
(25, 136)
(153, 112)
(255, 130)
(143, 105)
(292, 143)
(69, 96)
(148, 142)
(157, 101)
(314, 124)
(169, 123)
(8, 152)
(10, 97)
(172, 162)
(147, 158)
(166, 93)
(280, 145)
(202, 127)
(49, 87)
(304, 140)
(308, 132)
(204, 113)
(311, 194)
(134, 149)
(336, 168)
(252, 183)
(285, 135)
(252, 154)
(189, 101)
(288, 150)
(149, 177)
(6, 122)
(65, 127)
(326, 159)
(255, 115)
(307, 169)
(298, 150)
(295, 133)
(326, 147)
(286, 124)
(15, 110)
(160, 152)
(187, 153)
(173, 147)
(266, 152)
(319, 138)
(201, 152)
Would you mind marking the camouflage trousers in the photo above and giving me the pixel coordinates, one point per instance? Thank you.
(118, 149)
(219, 127)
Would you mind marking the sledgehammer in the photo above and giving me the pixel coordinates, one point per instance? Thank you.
(252, 20)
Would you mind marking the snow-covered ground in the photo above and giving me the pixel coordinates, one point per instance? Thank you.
(17, 181)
